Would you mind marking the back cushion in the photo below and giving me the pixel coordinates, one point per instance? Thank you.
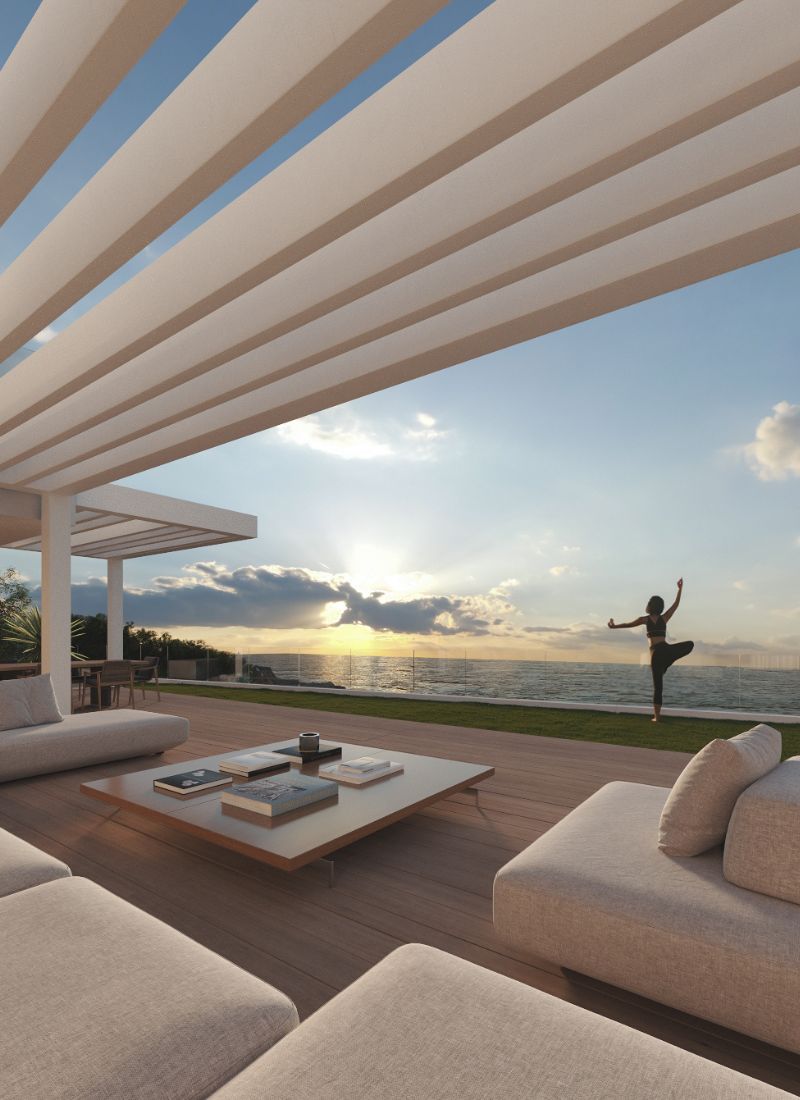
(42, 700)
(762, 848)
(696, 814)
(14, 710)
(28, 701)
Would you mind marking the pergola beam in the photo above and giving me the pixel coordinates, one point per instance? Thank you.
(230, 109)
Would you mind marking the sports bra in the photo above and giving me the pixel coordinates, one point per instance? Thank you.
(657, 629)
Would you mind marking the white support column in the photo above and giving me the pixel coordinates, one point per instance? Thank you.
(57, 517)
(115, 625)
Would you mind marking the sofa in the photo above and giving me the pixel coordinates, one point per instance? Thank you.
(99, 999)
(716, 934)
(36, 739)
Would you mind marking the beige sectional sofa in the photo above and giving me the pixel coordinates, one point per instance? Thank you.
(99, 999)
(83, 739)
(596, 895)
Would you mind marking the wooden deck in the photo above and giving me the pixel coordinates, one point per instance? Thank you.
(427, 879)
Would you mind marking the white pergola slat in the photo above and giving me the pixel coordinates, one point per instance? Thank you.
(513, 64)
(551, 160)
(231, 108)
(71, 56)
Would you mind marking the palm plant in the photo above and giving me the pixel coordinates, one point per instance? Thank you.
(23, 627)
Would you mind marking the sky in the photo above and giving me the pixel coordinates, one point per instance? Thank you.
(507, 506)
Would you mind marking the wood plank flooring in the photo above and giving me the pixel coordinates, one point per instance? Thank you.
(427, 879)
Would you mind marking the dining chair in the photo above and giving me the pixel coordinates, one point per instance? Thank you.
(148, 674)
(114, 675)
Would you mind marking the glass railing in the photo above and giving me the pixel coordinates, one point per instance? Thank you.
(768, 682)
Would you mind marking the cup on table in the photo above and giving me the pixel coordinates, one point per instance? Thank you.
(309, 742)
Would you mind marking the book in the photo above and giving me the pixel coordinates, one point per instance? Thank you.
(254, 763)
(335, 772)
(326, 749)
(279, 796)
(363, 765)
(201, 779)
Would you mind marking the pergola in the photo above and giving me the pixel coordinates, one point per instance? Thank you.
(111, 523)
(550, 161)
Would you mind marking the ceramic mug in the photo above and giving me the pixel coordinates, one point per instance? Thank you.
(309, 742)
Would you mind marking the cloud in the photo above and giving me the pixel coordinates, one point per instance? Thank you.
(561, 570)
(426, 437)
(504, 587)
(571, 549)
(276, 597)
(350, 442)
(348, 438)
(774, 454)
(45, 336)
(741, 586)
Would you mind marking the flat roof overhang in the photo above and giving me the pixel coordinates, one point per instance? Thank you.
(118, 522)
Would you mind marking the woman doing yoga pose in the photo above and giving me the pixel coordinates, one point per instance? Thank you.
(662, 653)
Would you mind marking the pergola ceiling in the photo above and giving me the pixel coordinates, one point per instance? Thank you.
(548, 162)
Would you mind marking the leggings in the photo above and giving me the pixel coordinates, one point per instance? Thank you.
(664, 654)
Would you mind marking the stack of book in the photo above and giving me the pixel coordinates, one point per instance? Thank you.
(251, 764)
(279, 796)
(364, 769)
(194, 782)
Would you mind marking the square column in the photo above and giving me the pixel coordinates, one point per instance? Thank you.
(58, 511)
(115, 623)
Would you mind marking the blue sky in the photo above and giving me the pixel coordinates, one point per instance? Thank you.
(508, 505)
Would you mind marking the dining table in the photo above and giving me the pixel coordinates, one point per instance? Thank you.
(10, 670)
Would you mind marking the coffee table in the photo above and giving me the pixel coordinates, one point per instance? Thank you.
(293, 840)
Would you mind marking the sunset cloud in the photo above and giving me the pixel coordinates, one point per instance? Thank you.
(276, 597)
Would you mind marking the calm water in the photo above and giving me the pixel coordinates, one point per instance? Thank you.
(774, 687)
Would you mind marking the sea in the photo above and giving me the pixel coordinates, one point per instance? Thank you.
(754, 682)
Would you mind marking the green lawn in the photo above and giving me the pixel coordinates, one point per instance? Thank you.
(681, 734)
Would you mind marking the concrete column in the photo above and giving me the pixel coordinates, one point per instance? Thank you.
(57, 517)
(114, 629)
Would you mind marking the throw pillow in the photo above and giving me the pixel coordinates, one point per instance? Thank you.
(696, 814)
(42, 700)
(14, 709)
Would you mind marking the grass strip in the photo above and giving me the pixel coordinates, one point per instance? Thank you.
(678, 734)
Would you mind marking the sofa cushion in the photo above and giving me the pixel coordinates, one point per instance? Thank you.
(22, 865)
(762, 848)
(700, 804)
(42, 700)
(596, 895)
(15, 711)
(100, 1000)
(84, 739)
(423, 1024)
